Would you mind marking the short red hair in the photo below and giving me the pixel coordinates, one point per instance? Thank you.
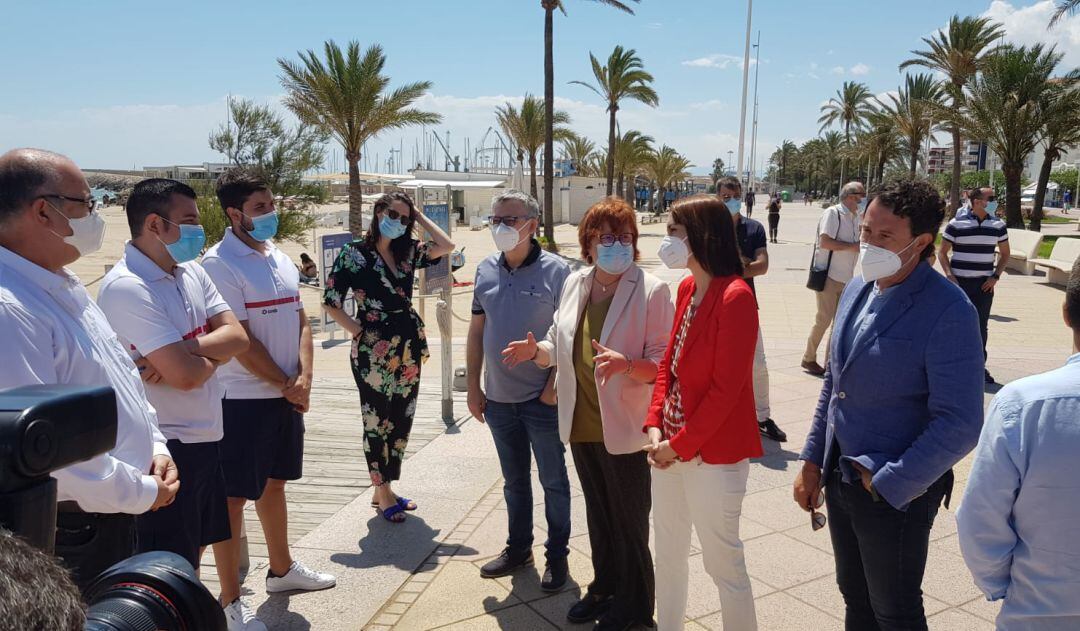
(613, 211)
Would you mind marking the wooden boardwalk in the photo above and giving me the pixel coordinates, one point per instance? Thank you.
(334, 468)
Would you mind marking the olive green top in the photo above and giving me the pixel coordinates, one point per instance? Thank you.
(587, 427)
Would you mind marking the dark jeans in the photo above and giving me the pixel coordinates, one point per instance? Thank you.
(881, 554)
(618, 498)
(982, 300)
(518, 428)
(90, 543)
(774, 224)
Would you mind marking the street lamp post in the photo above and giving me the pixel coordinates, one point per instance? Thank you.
(745, 81)
(753, 134)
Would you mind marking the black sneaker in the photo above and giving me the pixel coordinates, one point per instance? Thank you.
(506, 563)
(769, 430)
(988, 376)
(555, 574)
(589, 608)
(612, 623)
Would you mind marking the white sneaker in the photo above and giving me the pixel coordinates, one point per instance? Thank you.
(240, 617)
(299, 577)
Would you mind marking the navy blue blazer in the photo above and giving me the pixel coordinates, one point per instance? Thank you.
(907, 402)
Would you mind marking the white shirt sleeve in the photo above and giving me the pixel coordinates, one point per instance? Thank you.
(136, 316)
(830, 223)
(215, 303)
(102, 484)
(227, 284)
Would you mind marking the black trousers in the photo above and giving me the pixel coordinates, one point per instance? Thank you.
(880, 554)
(90, 543)
(774, 223)
(982, 300)
(618, 499)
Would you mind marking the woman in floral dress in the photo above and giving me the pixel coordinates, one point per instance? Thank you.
(389, 344)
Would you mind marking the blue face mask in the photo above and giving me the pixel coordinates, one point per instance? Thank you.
(862, 206)
(615, 259)
(734, 206)
(189, 245)
(263, 227)
(991, 207)
(391, 228)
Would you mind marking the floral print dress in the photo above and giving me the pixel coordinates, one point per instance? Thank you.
(387, 354)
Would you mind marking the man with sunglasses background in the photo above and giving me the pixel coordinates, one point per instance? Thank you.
(518, 291)
(54, 334)
(972, 239)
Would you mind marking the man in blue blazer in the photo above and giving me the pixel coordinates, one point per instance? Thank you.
(901, 404)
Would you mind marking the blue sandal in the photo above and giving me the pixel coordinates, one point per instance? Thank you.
(403, 502)
(391, 512)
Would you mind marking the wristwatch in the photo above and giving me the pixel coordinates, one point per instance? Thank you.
(996, 276)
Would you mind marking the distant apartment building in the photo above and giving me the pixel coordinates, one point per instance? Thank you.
(973, 158)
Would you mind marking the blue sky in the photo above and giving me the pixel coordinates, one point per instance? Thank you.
(119, 84)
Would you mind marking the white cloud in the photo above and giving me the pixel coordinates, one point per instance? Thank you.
(838, 70)
(717, 60)
(860, 69)
(1027, 26)
(713, 105)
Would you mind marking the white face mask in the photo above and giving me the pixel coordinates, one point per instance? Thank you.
(876, 263)
(673, 252)
(87, 233)
(506, 238)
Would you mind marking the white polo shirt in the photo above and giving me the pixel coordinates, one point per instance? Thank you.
(263, 289)
(843, 225)
(54, 334)
(150, 309)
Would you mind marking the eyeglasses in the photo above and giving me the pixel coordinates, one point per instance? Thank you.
(89, 202)
(608, 240)
(991, 199)
(396, 216)
(508, 221)
(817, 520)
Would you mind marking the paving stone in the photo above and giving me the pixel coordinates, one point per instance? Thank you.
(459, 594)
(703, 597)
(948, 579)
(781, 611)
(518, 618)
(824, 594)
(983, 608)
(958, 620)
(783, 562)
(525, 583)
(774, 508)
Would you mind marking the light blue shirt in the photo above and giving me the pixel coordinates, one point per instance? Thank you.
(1019, 522)
(872, 303)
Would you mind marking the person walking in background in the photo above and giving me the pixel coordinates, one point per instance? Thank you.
(309, 272)
(701, 424)
(517, 291)
(836, 250)
(178, 329)
(607, 339)
(1066, 203)
(749, 201)
(1017, 523)
(389, 345)
(774, 218)
(750, 237)
(972, 241)
(267, 389)
(901, 404)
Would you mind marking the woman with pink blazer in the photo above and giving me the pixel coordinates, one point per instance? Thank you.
(608, 337)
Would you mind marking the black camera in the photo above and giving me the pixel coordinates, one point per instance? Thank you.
(45, 428)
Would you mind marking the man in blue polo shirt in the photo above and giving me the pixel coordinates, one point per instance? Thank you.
(518, 291)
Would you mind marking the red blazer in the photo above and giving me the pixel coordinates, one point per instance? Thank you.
(715, 374)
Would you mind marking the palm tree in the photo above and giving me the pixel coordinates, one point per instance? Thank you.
(832, 158)
(956, 52)
(664, 167)
(913, 112)
(1004, 106)
(527, 128)
(549, 7)
(578, 150)
(1064, 7)
(623, 77)
(884, 141)
(631, 153)
(850, 106)
(1061, 130)
(785, 152)
(345, 96)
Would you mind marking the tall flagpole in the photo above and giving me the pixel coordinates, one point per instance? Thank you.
(753, 134)
(745, 82)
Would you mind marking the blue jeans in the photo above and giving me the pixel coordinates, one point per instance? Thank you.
(515, 427)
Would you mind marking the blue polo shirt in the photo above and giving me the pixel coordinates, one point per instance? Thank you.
(516, 302)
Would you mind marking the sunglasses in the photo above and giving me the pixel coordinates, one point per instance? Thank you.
(396, 216)
(87, 201)
(508, 221)
(608, 240)
(817, 520)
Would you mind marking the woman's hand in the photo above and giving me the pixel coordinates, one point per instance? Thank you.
(353, 327)
(608, 362)
(520, 351)
(655, 436)
(661, 455)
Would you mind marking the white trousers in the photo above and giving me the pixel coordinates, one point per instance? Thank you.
(761, 381)
(709, 498)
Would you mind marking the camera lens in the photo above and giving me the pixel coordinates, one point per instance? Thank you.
(152, 591)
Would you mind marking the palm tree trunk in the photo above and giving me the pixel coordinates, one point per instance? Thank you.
(1040, 192)
(356, 195)
(1013, 217)
(914, 162)
(621, 188)
(549, 122)
(611, 149)
(954, 186)
(532, 187)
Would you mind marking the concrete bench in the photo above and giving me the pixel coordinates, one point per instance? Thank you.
(1023, 248)
(1062, 257)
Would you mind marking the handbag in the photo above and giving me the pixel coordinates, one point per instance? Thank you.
(817, 278)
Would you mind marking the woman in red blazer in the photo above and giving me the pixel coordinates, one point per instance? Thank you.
(702, 423)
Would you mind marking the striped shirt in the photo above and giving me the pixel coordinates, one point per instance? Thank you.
(974, 244)
(673, 412)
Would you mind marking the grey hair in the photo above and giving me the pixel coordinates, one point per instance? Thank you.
(528, 201)
(23, 174)
(852, 188)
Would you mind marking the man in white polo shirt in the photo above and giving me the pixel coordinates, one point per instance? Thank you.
(54, 334)
(178, 330)
(267, 388)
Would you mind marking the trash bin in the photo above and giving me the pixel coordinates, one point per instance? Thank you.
(785, 195)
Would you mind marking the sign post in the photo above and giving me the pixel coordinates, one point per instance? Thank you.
(437, 278)
(330, 245)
